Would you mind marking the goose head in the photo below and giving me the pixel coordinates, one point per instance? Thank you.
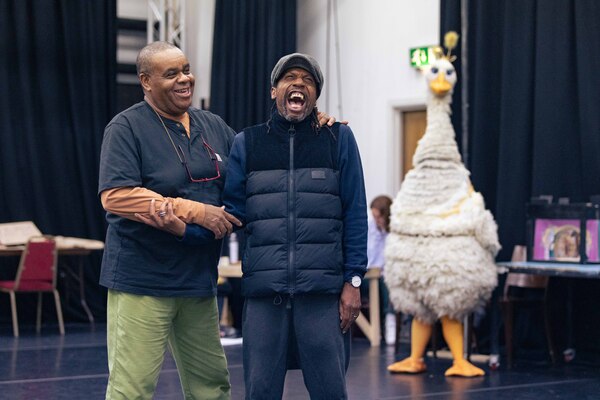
(441, 77)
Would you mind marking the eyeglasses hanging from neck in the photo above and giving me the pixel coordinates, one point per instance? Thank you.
(181, 155)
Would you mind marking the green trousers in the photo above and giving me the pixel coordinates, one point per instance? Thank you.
(139, 329)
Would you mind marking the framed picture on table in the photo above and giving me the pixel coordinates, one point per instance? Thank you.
(560, 240)
(563, 233)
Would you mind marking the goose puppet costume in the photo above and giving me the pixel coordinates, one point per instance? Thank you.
(441, 248)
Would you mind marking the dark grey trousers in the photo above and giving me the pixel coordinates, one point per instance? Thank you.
(304, 332)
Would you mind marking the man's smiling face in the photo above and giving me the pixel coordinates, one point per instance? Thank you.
(170, 84)
(295, 94)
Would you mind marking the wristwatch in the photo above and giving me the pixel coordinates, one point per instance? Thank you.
(356, 281)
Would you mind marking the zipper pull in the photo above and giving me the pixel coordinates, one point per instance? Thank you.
(292, 130)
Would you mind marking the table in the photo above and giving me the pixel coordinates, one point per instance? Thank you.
(229, 270)
(371, 329)
(551, 269)
(565, 270)
(66, 246)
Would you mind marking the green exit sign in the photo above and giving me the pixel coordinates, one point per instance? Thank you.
(421, 56)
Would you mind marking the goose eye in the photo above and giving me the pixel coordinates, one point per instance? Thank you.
(435, 70)
(449, 72)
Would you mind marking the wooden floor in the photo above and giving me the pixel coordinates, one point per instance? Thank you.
(49, 366)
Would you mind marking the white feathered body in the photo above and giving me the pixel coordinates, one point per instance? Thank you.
(442, 243)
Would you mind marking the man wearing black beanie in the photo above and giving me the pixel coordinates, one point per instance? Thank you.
(299, 189)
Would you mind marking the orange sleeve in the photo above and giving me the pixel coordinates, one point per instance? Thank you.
(127, 201)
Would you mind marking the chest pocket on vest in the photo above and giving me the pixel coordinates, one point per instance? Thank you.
(317, 174)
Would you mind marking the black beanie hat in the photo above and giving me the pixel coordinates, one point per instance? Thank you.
(298, 60)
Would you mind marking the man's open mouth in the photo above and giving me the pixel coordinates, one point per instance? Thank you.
(296, 101)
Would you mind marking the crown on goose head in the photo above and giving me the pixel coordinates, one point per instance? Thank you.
(450, 42)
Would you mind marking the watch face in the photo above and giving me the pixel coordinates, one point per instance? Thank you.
(356, 281)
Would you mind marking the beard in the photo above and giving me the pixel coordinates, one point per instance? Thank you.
(294, 116)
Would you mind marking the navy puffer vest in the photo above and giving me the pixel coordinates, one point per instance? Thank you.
(293, 210)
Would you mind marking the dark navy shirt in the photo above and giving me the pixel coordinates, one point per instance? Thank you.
(137, 152)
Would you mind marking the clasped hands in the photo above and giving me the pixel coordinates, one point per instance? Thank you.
(216, 219)
(221, 223)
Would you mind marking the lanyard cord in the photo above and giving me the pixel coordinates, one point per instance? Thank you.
(173, 143)
(211, 153)
(168, 134)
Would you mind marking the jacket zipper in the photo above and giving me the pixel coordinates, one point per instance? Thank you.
(291, 216)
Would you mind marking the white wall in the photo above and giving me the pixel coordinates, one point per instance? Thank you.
(376, 77)
(199, 22)
(132, 9)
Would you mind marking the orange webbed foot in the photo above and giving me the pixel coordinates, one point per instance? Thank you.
(464, 368)
(408, 366)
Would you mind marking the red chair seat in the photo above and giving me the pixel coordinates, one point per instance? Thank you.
(28, 286)
(36, 274)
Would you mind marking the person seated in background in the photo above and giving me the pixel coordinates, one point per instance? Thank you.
(379, 227)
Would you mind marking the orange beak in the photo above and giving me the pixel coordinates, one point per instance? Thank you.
(440, 86)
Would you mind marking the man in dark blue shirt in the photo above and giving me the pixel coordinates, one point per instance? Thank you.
(161, 291)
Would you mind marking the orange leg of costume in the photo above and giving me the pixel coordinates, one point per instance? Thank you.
(420, 334)
(453, 334)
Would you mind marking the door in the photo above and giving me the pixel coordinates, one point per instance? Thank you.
(413, 129)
